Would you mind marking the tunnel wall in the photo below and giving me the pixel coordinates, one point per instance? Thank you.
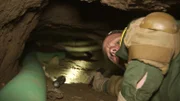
(18, 18)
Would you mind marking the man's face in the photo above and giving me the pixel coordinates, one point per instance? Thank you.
(111, 46)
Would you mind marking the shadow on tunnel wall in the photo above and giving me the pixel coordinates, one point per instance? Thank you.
(115, 18)
(85, 13)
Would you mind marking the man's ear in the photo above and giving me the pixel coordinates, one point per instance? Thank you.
(114, 49)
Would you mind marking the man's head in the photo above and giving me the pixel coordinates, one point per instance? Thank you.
(111, 46)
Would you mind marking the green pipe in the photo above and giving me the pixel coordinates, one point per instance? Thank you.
(45, 57)
(77, 43)
(30, 83)
(79, 49)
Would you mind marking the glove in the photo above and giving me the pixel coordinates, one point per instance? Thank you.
(97, 81)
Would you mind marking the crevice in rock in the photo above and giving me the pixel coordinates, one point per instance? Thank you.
(64, 19)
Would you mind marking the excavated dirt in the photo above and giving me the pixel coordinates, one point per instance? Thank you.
(76, 92)
(76, 87)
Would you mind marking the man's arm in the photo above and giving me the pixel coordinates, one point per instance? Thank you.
(140, 81)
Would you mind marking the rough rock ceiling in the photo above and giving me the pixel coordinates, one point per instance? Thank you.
(162, 5)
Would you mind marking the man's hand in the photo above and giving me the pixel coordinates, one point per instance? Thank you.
(97, 80)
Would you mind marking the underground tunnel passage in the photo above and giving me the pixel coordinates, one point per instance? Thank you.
(67, 38)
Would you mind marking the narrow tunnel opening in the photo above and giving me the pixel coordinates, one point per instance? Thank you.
(79, 27)
(76, 30)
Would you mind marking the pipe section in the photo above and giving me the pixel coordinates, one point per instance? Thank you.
(28, 85)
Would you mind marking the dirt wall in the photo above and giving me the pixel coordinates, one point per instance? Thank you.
(18, 18)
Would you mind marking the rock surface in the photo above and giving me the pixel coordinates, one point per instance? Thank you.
(18, 18)
(149, 5)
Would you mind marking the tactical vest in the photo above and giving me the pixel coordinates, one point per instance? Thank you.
(170, 88)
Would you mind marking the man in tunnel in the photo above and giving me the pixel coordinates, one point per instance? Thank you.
(151, 46)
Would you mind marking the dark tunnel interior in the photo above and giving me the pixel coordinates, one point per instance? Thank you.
(68, 40)
(67, 23)
(78, 28)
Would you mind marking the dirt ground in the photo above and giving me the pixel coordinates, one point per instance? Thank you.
(76, 73)
(76, 92)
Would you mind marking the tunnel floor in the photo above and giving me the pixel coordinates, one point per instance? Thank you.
(75, 92)
(76, 71)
